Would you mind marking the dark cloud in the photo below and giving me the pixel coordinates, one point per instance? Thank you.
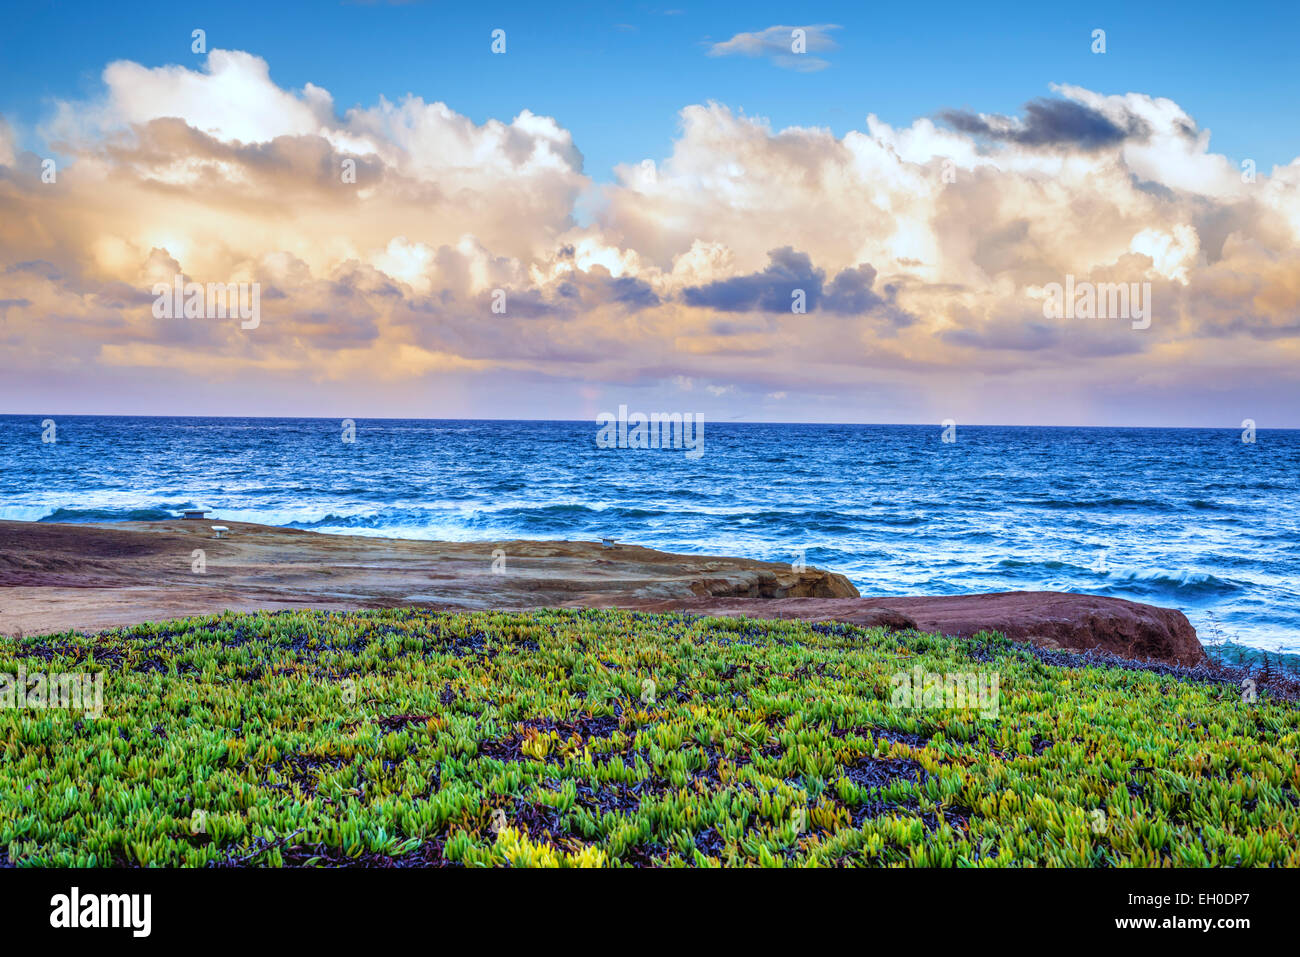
(1256, 327)
(362, 277)
(587, 290)
(115, 294)
(1050, 123)
(1019, 337)
(632, 292)
(528, 303)
(37, 267)
(771, 290)
(851, 293)
(1098, 338)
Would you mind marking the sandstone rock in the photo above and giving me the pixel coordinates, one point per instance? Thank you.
(890, 618)
(1051, 620)
(54, 577)
(87, 576)
(1059, 620)
(765, 583)
(851, 611)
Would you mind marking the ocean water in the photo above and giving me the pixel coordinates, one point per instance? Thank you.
(1194, 519)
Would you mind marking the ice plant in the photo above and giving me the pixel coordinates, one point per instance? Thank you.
(491, 739)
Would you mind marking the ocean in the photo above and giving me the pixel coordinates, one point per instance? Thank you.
(1194, 519)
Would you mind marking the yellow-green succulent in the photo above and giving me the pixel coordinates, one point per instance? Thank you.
(613, 738)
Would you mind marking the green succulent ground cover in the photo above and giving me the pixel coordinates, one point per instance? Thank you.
(412, 737)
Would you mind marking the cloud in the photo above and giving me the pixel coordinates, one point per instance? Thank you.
(790, 277)
(232, 98)
(1047, 122)
(920, 250)
(771, 290)
(6, 143)
(850, 293)
(787, 47)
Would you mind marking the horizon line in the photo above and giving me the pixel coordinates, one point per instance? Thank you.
(732, 421)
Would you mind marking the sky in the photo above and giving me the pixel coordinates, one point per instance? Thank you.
(623, 206)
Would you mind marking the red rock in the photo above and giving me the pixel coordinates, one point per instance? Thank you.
(1063, 620)
(1054, 620)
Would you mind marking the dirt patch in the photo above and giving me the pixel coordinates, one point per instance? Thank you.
(428, 854)
(869, 772)
(396, 722)
(644, 855)
(40, 546)
(300, 769)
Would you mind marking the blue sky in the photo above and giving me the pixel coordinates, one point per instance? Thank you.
(616, 74)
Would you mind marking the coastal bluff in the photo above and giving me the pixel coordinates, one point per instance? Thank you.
(55, 577)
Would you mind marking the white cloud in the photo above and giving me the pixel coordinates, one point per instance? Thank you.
(1172, 253)
(787, 47)
(232, 99)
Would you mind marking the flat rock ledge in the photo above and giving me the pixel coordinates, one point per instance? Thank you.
(87, 577)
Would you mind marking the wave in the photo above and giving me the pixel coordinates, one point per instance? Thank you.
(108, 515)
(25, 513)
(1110, 502)
(1181, 584)
(1184, 584)
(1051, 564)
